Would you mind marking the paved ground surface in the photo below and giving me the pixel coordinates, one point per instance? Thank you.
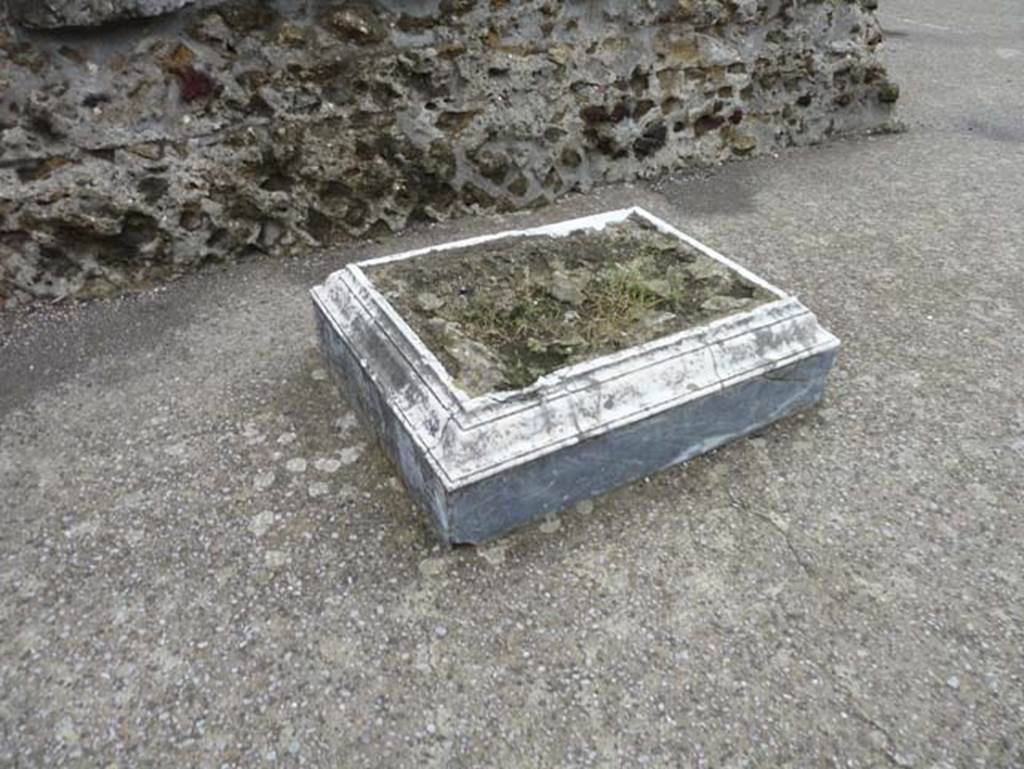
(205, 561)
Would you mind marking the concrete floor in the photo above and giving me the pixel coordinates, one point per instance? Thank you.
(204, 561)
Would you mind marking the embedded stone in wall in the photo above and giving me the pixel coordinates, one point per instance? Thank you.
(55, 14)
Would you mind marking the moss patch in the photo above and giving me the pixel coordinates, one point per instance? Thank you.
(500, 315)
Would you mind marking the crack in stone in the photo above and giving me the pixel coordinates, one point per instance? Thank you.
(891, 753)
(798, 556)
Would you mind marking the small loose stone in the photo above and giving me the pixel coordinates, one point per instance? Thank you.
(565, 290)
(495, 555)
(429, 302)
(296, 465)
(328, 466)
(346, 423)
(551, 525)
(263, 481)
(431, 567)
(350, 455)
(275, 559)
(261, 523)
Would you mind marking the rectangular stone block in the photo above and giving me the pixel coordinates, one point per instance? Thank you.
(484, 464)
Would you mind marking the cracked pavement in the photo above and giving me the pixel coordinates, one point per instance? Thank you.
(205, 560)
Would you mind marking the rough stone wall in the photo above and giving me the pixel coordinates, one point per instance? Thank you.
(58, 14)
(136, 149)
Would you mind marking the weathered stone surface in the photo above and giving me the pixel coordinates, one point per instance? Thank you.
(484, 464)
(55, 14)
(276, 126)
